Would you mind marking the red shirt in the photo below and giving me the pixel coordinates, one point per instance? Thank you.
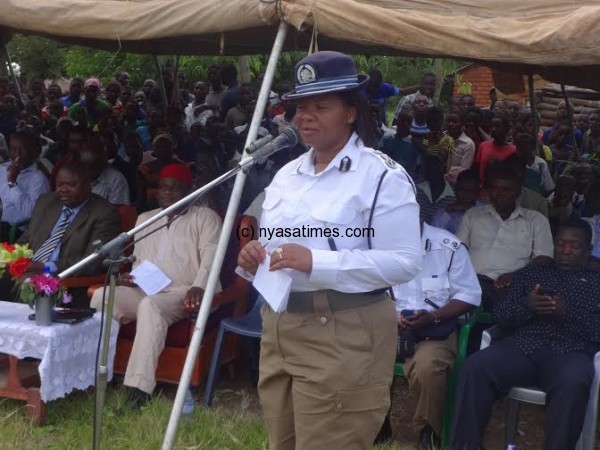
(488, 151)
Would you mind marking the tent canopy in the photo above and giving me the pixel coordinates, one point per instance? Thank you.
(555, 38)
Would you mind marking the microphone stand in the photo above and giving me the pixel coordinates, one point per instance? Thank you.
(114, 264)
(111, 251)
(105, 250)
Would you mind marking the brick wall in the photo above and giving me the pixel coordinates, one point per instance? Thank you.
(482, 80)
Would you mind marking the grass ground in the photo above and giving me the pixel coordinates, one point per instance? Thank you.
(69, 426)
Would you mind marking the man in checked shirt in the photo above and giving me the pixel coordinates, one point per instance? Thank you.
(552, 317)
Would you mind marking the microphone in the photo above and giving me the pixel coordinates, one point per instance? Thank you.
(253, 146)
(262, 148)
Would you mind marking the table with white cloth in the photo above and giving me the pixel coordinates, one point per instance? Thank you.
(67, 353)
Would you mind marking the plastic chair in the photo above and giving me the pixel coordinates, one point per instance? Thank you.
(249, 325)
(461, 354)
(536, 396)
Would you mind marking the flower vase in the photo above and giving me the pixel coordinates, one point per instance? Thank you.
(44, 310)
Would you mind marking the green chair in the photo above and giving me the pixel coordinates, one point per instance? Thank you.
(461, 354)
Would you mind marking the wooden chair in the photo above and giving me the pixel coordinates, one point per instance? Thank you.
(230, 302)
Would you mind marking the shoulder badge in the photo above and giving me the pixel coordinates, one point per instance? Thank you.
(386, 159)
(451, 244)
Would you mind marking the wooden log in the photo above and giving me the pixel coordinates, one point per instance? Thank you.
(574, 101)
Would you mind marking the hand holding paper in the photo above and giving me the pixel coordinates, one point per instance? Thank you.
(150, 278)
(274, 286)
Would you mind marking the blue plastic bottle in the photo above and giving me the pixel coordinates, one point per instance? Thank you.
(189, 403)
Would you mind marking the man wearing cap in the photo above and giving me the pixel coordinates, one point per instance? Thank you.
(182, 246)
(94, 108)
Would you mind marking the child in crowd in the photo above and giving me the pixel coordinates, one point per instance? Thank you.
(399, 146)
(437, 143)
(467, 193)
(560, 202)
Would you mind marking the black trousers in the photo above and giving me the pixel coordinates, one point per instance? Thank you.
(490, 373)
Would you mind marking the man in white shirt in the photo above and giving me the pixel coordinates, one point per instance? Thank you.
(444, 289)
(21, 182)
(504, 237)
(107, 182)
(464, 147)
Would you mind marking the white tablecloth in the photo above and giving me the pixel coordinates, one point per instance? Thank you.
(68, 352)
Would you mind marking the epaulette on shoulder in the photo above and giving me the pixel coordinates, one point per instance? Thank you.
(452, 243)
(388, 162)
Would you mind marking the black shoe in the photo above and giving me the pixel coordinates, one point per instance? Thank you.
(138, 398)
(428, 440)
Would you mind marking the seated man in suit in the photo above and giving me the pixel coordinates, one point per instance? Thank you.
(551, 314)
(66, 223)
(182, 246)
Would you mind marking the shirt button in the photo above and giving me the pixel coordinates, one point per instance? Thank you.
(323, 320)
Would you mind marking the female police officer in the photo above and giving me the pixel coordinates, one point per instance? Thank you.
(326, 363)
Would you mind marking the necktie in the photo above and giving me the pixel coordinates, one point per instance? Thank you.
(44, 252)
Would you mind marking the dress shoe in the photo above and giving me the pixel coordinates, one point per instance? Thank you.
(138, 398)
(428, 440)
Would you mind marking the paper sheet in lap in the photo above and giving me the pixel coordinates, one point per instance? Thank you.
(150, 278)
(275, 286)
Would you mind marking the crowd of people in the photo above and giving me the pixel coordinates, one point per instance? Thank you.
(510, 217)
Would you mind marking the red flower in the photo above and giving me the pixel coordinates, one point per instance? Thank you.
(18, 268)
(8, 247)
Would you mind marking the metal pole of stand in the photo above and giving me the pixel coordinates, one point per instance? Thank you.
(215, 269)
(102, 380)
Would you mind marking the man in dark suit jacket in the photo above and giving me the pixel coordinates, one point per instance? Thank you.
(90, 218)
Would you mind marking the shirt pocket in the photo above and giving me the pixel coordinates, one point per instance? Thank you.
(272, 198)
(436, 288)
(335, 214)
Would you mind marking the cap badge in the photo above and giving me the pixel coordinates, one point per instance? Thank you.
(306, 74)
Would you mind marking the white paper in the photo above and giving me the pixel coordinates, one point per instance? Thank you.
(150, 278)
(274, 286)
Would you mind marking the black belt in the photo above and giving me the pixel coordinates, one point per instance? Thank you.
(302, 302)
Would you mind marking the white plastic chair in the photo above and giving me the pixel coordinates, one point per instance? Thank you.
(536, 396)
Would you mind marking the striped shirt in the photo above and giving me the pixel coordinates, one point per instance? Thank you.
(428, 206)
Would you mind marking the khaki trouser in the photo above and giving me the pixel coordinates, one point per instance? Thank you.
(427, 372)
(325, 377)
(154, 315)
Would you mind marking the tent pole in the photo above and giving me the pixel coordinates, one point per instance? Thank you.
(533, 107)
(438, 69)
(569, 115)
(12, 72)
(161, 82)
(215, 270)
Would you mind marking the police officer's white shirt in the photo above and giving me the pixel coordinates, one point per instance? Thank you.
(338, 199)
(447, 274)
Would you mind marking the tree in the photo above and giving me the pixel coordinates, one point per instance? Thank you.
(38, 57)
(84, 62)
